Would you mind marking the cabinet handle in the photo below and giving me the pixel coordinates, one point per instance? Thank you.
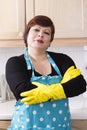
(20, 34)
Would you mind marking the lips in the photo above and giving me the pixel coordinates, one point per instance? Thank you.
(39, 41)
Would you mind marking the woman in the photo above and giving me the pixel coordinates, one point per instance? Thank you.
(42, 81)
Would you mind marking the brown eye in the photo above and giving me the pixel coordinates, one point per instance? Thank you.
(37, 30)
(47, 33)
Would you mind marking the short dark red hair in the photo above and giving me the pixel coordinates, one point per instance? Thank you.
(42, 21)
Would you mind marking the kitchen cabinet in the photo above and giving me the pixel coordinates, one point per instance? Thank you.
(4, 124)
(79, 124)
(76, 124)
(69, 16)
(29, 10)
(14, 14)
(12, 19)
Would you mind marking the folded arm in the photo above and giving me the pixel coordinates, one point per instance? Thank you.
(51, 92)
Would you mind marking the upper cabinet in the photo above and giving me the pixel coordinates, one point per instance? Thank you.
(69, 16)
(30, 5)
(12, 19)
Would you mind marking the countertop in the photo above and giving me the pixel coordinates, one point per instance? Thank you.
(7, 108)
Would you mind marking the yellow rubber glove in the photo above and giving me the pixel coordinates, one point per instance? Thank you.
(40, 94)
(55, 91)
(71, 73)
(46, 92)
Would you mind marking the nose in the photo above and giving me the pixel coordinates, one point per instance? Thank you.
(40, 34)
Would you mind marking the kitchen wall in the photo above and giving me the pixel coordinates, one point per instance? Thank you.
(77, 53)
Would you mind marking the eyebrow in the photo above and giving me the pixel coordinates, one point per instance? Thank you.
(46, 29)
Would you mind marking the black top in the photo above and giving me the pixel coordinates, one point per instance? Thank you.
(18, 76)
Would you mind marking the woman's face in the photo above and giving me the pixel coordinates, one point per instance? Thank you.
(39, 37)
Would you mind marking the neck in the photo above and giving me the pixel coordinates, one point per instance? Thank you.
(37, 53)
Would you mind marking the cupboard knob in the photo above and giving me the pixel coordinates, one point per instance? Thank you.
(20, 34)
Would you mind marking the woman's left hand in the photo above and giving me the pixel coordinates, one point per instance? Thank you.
(37, 95)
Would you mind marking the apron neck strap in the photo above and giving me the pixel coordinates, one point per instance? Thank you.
(30, 65)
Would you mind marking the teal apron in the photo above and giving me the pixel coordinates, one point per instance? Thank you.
(49, 115)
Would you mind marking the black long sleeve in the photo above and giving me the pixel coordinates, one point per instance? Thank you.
(75, 86)
(18, 77)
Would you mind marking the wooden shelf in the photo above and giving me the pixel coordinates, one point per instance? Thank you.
(70, 42)
(56, 42)
(12, 43)
(76, 124)
(4, 125)
(79, 124)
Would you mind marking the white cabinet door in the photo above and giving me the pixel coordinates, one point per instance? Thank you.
(12, 19)
(29, 10)
(84, 16)
(69, 16)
